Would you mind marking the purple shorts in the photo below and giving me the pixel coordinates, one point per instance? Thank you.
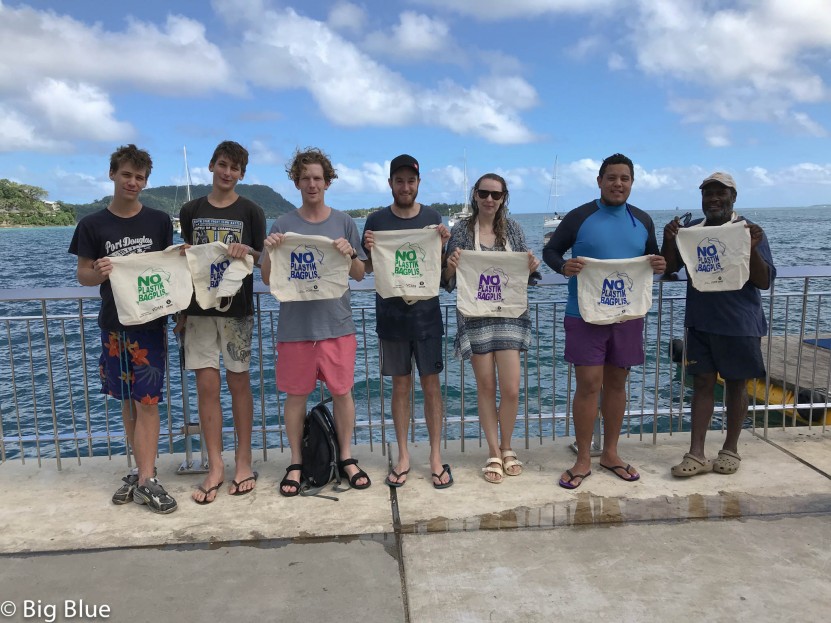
(619, 344)
(132, 365)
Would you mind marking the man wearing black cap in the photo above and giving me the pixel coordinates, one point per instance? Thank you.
(724, 331)
(410, 331)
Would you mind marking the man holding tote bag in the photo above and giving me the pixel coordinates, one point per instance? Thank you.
(724, 327)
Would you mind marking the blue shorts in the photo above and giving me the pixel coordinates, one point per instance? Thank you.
(132, 365)
(397, 356)
(735, 358)
(619, 344)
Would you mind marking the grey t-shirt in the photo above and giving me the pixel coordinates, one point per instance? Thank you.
(302, 321)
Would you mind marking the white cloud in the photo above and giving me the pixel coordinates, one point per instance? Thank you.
(756, 60)
(808, 126)
(717, 136)
(510, 90)
(370, 177)
(616, 62)
(494, 10)
(76, 184)
(761, 175)
(586, 47)
(78, 111)
(287, 50)
(347, 16)
(803, 173)
(174, 59)
(415, 37)
(262, 154)
(18, 134)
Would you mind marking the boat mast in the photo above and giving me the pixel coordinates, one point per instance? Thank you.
(187, 174)
(553, 190)
(466, 208)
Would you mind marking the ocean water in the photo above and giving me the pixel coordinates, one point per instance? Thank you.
(38, 258)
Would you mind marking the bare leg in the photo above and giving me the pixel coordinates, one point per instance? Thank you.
(344, 406)
(507, 363)
(484, 369)
(242, 407)
(401, 388)
(128, 416)
(586, 396)
(146, 439)
(433, 414)
(703, 404)
(613, 407)
(294, 412)
(208, 384)
(736, 402)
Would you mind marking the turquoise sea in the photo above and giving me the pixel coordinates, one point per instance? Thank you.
(38, 258)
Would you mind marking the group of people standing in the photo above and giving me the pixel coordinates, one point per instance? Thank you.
(316, 340)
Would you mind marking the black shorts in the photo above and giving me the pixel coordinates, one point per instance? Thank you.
(734, 358)
(397, 356)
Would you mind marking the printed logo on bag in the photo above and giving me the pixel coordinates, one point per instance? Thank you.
(151, 284)
(709, 260)
(615, 287)
(217, 270)
(490, 284)
(407, 260)
(306, 262)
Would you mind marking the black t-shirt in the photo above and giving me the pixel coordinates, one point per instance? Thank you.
(395, 319)
(104, 234)
(243, 221)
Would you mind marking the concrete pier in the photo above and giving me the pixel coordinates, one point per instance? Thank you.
(752, 546)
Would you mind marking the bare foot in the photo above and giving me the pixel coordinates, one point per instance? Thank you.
(244, 481)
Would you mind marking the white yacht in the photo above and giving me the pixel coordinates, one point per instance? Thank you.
(465, 212)
(552, 221)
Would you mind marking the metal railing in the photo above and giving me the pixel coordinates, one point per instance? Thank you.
(51, 408)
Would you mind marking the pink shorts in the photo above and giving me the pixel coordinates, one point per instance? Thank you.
(301, 364)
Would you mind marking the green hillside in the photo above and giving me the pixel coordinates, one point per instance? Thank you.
(170, 199)
(445, 209)
(24, 206)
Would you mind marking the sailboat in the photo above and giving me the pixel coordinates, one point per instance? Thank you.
(465, 212)
(177, 226)
(553, 221)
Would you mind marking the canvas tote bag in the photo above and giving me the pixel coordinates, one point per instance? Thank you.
(407, 263)
(216, 276)
(610, 291)
(717, 258)
(308, 268)
(147, 286)
(492, 284)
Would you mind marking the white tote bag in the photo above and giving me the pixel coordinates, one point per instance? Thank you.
(217, 277)
(308, 268)
(610, 291)
(407, 263)
(717, 258)
(147, 286)
(492, 284)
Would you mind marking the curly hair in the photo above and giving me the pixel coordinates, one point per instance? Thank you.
(500, 220)
(139, 158)
(235, 152)
(311, 155)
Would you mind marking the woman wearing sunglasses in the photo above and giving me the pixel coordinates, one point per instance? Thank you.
(492, 344)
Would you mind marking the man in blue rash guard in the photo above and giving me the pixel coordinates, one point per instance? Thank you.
(606, 228)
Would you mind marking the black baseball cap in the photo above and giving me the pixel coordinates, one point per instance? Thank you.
(404, 160)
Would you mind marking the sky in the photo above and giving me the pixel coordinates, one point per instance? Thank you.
(506, 86)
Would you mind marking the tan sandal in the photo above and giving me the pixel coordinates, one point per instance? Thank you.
(728, 462)
(509, 461)
(690, 466)
(499, 474)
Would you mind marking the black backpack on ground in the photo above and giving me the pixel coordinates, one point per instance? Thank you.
(321, 451)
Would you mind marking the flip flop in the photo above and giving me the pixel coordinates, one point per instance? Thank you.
(207, 492)
(237, 485)
(629, 477)
(569, 484)
(396, 484)
(441, 485)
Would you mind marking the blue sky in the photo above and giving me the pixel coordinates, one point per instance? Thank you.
(683, 88)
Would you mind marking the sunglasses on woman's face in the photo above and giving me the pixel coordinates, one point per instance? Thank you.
(496, 195)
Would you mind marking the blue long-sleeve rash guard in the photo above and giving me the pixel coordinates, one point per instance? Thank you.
(601, 232)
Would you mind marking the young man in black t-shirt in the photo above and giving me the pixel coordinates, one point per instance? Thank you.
(240, 223)
(132, 363)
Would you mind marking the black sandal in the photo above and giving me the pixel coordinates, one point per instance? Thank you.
(358, 475)
(285, 482)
